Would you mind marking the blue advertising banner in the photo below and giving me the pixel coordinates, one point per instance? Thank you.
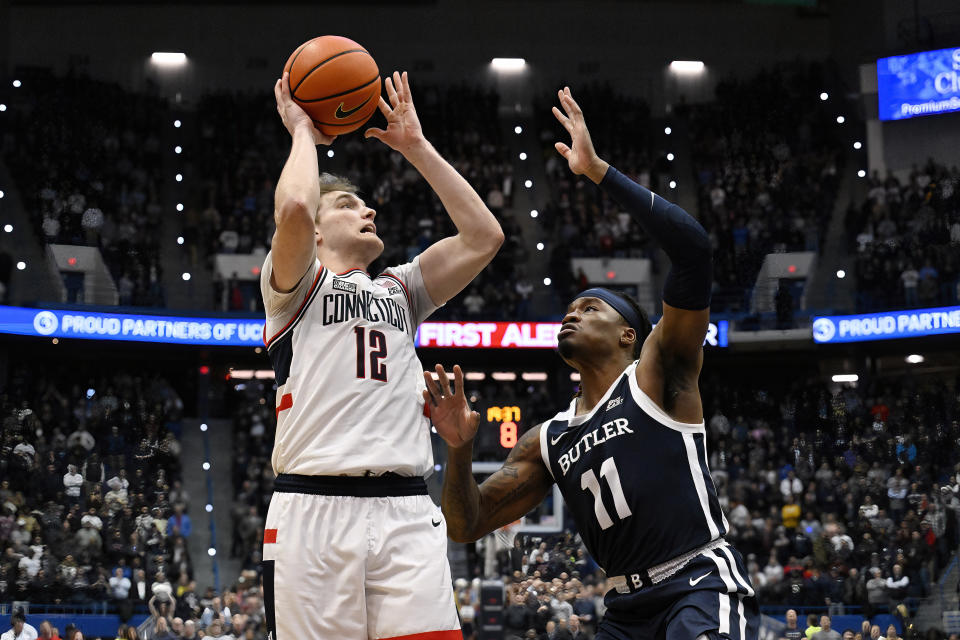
(95, 325)
(886, 326)
(919, 84)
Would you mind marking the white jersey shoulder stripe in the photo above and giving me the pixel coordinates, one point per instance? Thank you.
(314, 288)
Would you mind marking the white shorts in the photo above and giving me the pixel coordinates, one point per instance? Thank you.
(355, 568)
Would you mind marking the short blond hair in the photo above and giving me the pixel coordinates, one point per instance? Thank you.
(329, 183)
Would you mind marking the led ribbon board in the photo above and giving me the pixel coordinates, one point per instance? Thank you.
(95, 325)
(919, 84)
(518, 335)
(886, 326)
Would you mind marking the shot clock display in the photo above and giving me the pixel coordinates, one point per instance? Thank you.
(501, 425)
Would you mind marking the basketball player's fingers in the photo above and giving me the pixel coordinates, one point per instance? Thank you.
(391, 92)
(457, 381)
(432, 388)
(285, 86)
(427, 398)
(444, 380)
(384, 108)
(562, 149)
(407, 96)
(373, 132)
(564, 120)
(398, 85)
(572, 107)
(276, 91)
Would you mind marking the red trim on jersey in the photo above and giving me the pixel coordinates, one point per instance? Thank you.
(266, 342)
(286, 402)
(269, 536)
(426, 410)
(452, 634)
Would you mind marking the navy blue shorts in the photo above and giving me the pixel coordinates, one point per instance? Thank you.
(711, 596)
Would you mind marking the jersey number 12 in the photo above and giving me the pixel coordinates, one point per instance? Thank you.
(588, 481)
(378, 344)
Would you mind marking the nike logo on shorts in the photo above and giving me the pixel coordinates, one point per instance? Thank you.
(695, 582)
(435, 523)
(341, 114)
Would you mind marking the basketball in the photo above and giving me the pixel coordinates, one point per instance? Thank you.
(336, 81)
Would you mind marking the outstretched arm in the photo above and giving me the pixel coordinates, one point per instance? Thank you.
(674, 351)
(512, 491)
(297, 196)
(452, 263)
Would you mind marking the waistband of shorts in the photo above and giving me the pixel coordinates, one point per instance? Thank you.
(387, 485)
(634, 581)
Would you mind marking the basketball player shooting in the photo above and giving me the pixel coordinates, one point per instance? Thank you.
(629, 453)
(353, 547)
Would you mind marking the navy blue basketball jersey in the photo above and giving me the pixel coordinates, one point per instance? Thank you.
(635, 480)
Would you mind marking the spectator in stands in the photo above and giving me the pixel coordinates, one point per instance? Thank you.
(72, 483)
(179, 522)
(161, 631)
(825, 632)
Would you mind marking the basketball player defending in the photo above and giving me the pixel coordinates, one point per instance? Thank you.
(353, 547)
(629, 452)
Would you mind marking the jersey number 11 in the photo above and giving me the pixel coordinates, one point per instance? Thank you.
(588, 481)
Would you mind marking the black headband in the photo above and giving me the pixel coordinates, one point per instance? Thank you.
(620, 305)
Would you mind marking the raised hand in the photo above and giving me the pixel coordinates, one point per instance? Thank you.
(403, 132)
(580, 155)
(293, 115)
(451, 414)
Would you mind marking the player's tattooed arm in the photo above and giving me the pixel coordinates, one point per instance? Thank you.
(512, 491)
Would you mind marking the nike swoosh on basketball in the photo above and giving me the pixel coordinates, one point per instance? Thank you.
(694, 583)
(557, 439)
(341, 114)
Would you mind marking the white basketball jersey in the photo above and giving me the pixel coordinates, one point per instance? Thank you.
(348, 378)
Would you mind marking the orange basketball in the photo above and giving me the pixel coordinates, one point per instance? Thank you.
(336, 81)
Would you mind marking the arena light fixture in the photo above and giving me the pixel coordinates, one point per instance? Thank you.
(523, 155)
(329, 153)
(55, 341)
(176, 123)
(534, 376)
(845, 377)
(687, 66)
(824, 96)
(16, 84)
(211, 552)
(547, 282)
(670, 157)
(209, 508)
(3, 107)
(206, 466)
(518, 129)
(179, 239)
(857, 144)
(528, 183)
(915, 358)
(179, 177)
(437, 467)
(21, 265)
(841, 119)
(504, 376)
(539, 246)
(841, 274)
(861, 174)
(203, 426)
(168, 58)
(8, 228)
(476, 376)
(673, 184)
(185, 276)
(179, 206)
(508, 65)
(534, 213)
(177, 149)
(667, 130)
(1, 195)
